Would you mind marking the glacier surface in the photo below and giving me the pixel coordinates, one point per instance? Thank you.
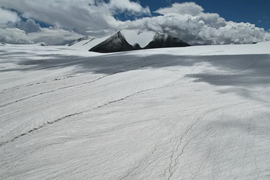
(198, 113)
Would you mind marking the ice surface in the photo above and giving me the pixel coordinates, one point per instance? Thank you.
(177, 113)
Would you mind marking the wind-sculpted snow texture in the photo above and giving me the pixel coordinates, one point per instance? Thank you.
(197, 113)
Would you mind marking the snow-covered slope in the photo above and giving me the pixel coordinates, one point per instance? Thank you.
(197, 113)
(87, 43)
(81, 41)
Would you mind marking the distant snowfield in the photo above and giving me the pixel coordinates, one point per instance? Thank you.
(87, 44)
(197, 113)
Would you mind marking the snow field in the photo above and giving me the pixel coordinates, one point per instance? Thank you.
(177, 113)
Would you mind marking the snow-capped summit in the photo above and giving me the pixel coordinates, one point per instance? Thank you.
(126, 40)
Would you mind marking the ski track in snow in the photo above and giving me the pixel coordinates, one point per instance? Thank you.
(159, 114)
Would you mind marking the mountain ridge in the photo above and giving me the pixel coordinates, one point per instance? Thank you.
(115, 43)
(118, 43)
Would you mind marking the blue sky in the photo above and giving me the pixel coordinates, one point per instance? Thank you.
(253, 11)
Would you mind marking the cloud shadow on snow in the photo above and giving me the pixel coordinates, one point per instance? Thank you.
(242, 71)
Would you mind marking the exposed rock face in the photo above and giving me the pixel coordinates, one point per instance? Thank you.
(115, 43)
(118, 43)
(163, 41)
(137, 46)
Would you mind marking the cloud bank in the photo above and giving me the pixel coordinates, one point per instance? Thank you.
(14, 36)
(79, 14)
(29, 26)
(69, 19)
(189, 22)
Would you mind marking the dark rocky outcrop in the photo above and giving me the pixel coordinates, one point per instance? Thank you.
(115, 43)
(137, 46)
(163, 41)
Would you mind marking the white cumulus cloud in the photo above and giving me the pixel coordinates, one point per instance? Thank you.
(8, 17)
(14, 36)
(51, 36)
(70, 19)
(78, 15)
(127, 5)
(54, 36)
(183, 8)
(29, 26)
(189, 22)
